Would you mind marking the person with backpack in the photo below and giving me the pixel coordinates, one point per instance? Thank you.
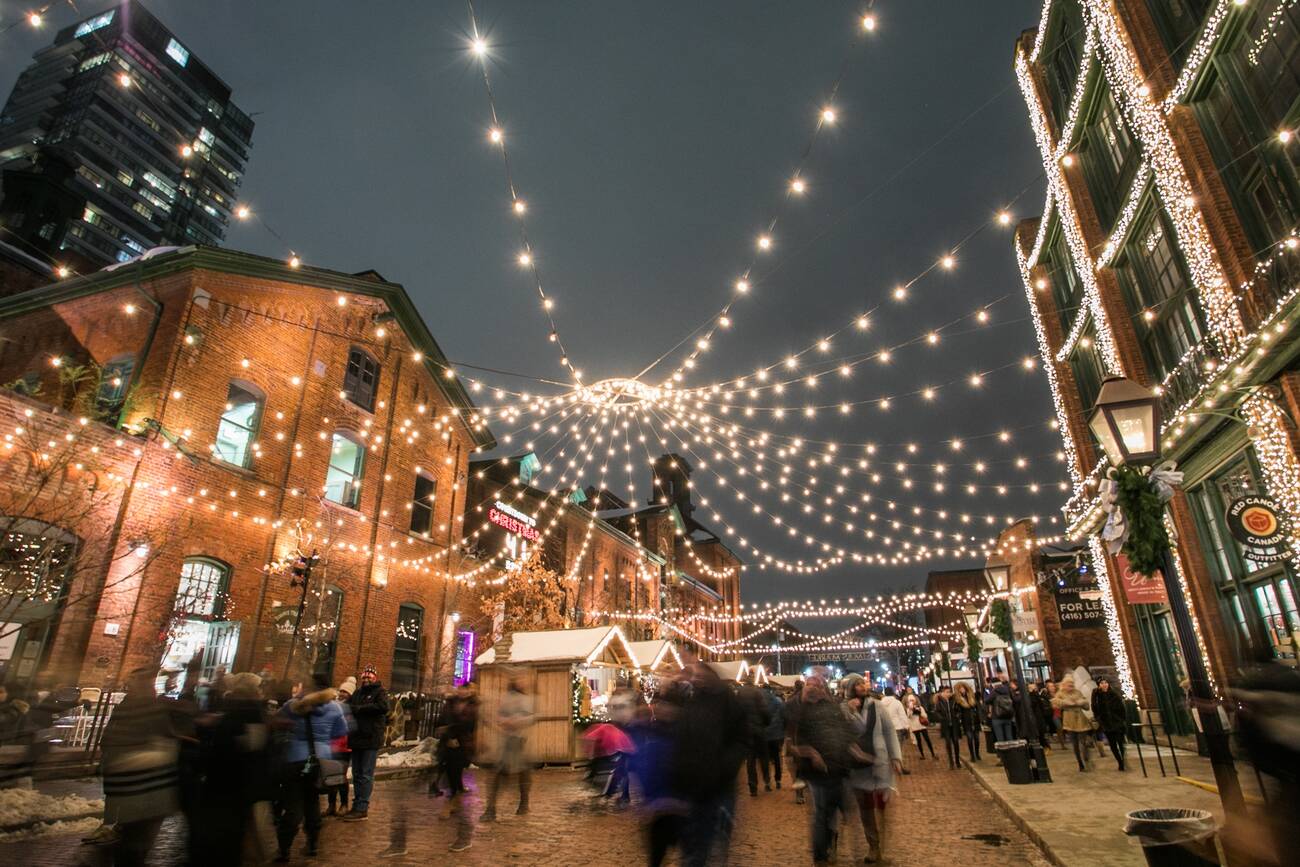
(312, 724)
(877, 759)
(1002, 711)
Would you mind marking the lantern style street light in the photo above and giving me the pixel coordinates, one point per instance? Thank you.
(1126, 421)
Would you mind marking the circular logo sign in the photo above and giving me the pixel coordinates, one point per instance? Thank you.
(1254, 522)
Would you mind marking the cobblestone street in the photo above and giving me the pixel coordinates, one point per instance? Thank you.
(940, 816)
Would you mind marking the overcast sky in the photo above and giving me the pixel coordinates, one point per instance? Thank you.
(652, 141)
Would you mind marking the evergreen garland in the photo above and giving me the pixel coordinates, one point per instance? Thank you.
(973, 648)
(1144, 512)
(1000, 620)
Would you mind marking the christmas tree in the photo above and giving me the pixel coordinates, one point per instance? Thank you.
(534, 597)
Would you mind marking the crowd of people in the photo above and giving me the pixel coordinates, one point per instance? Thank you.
(246, 759)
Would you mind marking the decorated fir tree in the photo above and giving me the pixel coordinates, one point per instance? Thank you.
(532, 595)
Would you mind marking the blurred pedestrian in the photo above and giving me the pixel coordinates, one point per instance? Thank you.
(369, 706)
(774, 733)
(948, 716)
(969, 715)
(139, 767)
(16, 736)
(313, 722)
(1041, 706)
(896, 718)
(462, 725)
(918, 722)
(514, 720)
(708, 751)
(878, 758)
(1074, 721)
(790, 714)
(1109, 713)
(757, 718)
(337, 796)
(822, 741)
(236, 774)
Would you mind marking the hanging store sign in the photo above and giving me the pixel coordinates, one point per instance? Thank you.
(1140, 589)
(1079, 607)
(514, 521)
(1254, 521)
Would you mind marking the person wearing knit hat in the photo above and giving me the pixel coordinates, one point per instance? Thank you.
(338, 795)
(347, 687)
(369, 705)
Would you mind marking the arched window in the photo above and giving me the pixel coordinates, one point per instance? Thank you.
(361, 378)
(347, 462)
(239, 423)
(406, 648)
(202, 588)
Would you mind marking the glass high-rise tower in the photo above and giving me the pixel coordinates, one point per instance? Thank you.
(117, 139)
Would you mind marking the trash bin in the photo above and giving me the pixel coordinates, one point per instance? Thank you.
(1174, 837)
(1015, 759)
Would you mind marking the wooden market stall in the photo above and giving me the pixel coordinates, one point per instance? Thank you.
(658, 657)
(735, 669)
(555, 665)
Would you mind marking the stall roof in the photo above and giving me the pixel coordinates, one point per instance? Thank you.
(595, 644)
(785, 681)
(735, 669)
(651, 653)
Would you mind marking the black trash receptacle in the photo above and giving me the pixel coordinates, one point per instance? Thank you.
(1174, 837)
(1015, 759)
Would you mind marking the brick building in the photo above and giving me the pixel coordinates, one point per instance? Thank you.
(1164, 254)
(615, 558)
(177, 429)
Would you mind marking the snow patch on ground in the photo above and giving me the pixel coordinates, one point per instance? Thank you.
(20, 807)
(419, 756)
(75, 826)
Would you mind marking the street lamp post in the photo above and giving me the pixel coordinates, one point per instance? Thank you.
(998, 577)
(1126, 421)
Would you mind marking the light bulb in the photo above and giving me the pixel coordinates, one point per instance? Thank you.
(35, 19)
(294, 262)
(764, 242)
(828, 115)
(525, 259)
(520, 206)
(494, 135)
(242, 212)
(797, 186)
(124, 79)
(1004, 218)
(742, 286)
(479, 47)
(868, 22)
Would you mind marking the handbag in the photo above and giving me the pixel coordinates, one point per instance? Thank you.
(861, 752)
(327, 773)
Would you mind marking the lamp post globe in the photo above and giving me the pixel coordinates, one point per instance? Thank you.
(1126, 421)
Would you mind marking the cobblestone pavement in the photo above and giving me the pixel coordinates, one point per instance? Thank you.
(941, 817)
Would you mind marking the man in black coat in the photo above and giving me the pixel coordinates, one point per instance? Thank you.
(369, 706)
(1108, 711)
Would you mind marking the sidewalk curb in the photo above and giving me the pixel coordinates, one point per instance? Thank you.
(1017, 820)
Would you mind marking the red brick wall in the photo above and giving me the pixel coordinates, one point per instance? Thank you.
(295, 341)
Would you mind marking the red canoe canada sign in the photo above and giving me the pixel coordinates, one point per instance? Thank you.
(1254, 522)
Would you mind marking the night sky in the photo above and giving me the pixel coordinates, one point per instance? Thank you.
(652, 142)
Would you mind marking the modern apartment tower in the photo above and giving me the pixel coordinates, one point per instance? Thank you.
(117, 139)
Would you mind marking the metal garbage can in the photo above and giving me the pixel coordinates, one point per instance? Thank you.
(1015, 760)
(1174, 837)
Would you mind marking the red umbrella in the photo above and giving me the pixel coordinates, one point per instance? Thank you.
(606, 739)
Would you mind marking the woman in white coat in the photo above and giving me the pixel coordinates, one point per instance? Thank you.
(873, 784)
(918, 722)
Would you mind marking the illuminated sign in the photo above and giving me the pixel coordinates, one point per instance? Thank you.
(93, 24)
(464, 657)
(178, 52)
(514, 521)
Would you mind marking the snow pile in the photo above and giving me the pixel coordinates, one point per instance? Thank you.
(419, 756)
(21, 807)
(72, 826)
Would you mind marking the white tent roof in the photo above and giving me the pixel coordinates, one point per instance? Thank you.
(651, 653)
(785, 681)
(734, 669)
(559, 645)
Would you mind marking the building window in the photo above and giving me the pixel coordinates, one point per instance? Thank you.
(1085, 364)
(1107, 154)
(406, 648)
(114, 382)
(1064, 55)
(343, 478)
(1178, 21)
(178, 52)
(201, 592)
(239, 424)
(1067, 288)
(426, 489)
(361, 378)
(1156, 282)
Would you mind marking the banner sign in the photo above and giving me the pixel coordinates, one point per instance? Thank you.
(1255, 523)
(1141, 589)
(1077, 612)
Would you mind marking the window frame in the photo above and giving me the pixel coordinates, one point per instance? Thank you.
(354, 477)
(397, 677)
(218, 589)
(424, 509)
(252, 430)
(1108, 168)
(360, 365)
